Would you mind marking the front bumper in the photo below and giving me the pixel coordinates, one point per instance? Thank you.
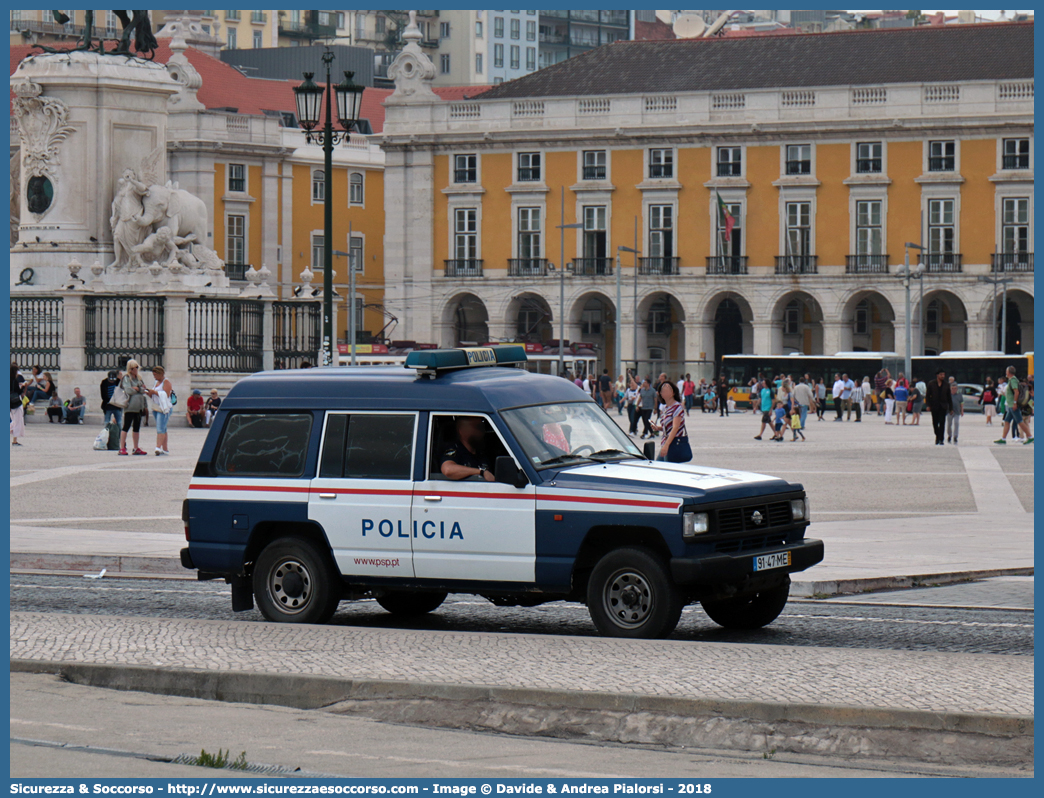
(724, 568)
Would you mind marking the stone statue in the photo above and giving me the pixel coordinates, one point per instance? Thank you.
(136, 26)
(16, 199)
(184, 213)
(159, 247)
(412, 70)
(127, 230)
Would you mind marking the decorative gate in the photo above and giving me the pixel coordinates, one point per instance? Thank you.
(225, 335)
(295, 333)
(36, 332)
(120, 328)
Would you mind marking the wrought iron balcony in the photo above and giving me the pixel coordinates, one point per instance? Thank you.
(658, 265)
(1016, 161)
(729, 169)
(463, 267)
(866, 166)
(801, 167)
(593, 267)
(942, 163)
(942, 262)
(527, 267)
(796, 264)
(236, 271)
(259, 17)
(866, 264)
(465, 175)
(727, 264)
(306, 30)
(594, 173)
(1013, 262)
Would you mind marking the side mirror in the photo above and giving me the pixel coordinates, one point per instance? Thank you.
(505, 471)
(649, 450)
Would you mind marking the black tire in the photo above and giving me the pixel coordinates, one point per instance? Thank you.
(631, 594)
(411, 602)
(750, 612)
(296, 582)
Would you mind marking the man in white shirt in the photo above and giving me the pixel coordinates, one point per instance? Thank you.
(856, 401)
(839, 388)
(805, 399)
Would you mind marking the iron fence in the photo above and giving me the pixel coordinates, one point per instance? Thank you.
(796, 264)
(225, 335)
(866, 264)
(942, 262)
(120, 328)
(36, 332)
(661, 265)
(295, 333)
(1013, 261)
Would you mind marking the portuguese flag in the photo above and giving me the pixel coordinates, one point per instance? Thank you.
(725, 218)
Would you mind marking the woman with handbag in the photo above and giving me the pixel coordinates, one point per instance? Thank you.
(159, 398)
(674, 446)
(134, 394)
(17, 407)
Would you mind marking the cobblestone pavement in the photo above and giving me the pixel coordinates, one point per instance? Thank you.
(973, 683)
(1008, 592)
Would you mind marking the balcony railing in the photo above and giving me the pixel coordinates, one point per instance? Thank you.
(729, 169)
(465, 176)
(258, 16)
(618, 18)
(866, 264)
(727, 264)
(941, 164)
(799, 167)
(867, 166)
(593, 267)
(796, 264)
(464, 267)
(236, 271)
(1016, 162)
(553, 38)
(942, 262)
(658, 265)
(306, 30)
(1013, 261)
(594, 173)
(527, 267)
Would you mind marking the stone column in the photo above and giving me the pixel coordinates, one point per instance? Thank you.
(832, 337)
(175, 340)
(73, 356)
(981, 336)
(267, 334)
(768, 337)
(699, 341)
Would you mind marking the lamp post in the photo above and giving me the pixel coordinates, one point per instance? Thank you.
(634, 309)
(905, 275)
(309, 96)
(561, 282)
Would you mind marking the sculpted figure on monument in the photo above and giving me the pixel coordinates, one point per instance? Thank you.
(184, 213)
(159, 247)
(127, 230)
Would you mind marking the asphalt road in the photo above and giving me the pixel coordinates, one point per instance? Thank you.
(990, 617)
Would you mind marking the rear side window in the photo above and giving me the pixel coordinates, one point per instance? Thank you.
(264, 445)
(368, 446)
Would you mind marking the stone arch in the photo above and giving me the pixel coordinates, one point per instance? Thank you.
(1018, 334)
(868, 323)
(592, 317)
(797, 324)
(732, 318)
(945, 322)
(465, 319)
(530, 318)
(660, 332)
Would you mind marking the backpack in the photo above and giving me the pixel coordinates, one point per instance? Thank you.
(1024, 397)
(987, 397)
(113, 430)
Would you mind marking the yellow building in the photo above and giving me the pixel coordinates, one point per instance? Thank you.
(829, 152)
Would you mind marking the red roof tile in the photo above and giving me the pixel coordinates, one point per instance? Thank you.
(650, 31)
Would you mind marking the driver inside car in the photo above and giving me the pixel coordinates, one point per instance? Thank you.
(466, 457)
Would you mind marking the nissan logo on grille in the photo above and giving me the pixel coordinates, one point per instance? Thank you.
(756, 517)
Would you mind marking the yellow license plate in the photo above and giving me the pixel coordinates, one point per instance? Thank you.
(766, 562)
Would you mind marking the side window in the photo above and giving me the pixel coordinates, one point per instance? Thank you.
(264, 445)
(444, 434)
(368, 446)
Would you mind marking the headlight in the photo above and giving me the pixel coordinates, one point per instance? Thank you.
(694, 524)
(799, 509)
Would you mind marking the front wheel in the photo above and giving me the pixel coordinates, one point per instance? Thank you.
(631, 594)
(749, 612)
(295, 583)
(408, 603)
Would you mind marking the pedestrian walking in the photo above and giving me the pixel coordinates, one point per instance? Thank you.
(1016, 397)
(856, 402)
(619, 389)
(779, 414)
(674, 445)
(989, 402)
(902, 396)
(765, 403)
(836, 391)
(135, 390)
(723, 396)
(646, 405)
(820, 398)
(916, 402)
(889, 401)
(953, 418)
(688, 393)
(605, 388)
(868, 394)
(160, 396)
(805, 399)
(17, 406)
(631, 400)
(795, 425)
(937, 398)
(108, 385)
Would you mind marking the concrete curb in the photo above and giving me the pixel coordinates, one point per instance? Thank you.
(842, 587)
(312, 692)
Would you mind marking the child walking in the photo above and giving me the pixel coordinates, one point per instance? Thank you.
(795, 425)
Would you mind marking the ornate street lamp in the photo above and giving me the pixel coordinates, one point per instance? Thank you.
(348, 97)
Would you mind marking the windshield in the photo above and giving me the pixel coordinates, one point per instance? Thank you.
(568, 434)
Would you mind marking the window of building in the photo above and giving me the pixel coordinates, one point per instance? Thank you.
(444, 63)
(498, 81)
(792, 318)
(380, 25)
(515, 55)
(868, 157)
(359, 308)
(360, 25)
(318, 246)
(355, 189)
(250, 439)
(258, 40)
(799, 159)
(232, 15)
(941, 230)
(730, 161)
(340, 19)
(531, 56)
(594, 165)
(529, 233)
(498, 55)
(465, 168)
(516, 29)
(1015, 224)
(591, 318)
(730, 246)
(478, 63)
(318, 185)
(661, 163)
(1016, 154)
(530, 317)
(231, 40)
(355, 252)
(869, 234)
(531, 30)
(498, 27)
(862, 318)
(941, 156)
(595, 243)
(368, 446)
(661, 231)
(444, 30)
(478, 29)
(660, 318)
(236, 177)
(931, 318)
(528, 166)
(235, 240)
(465, 234)
(799, 228)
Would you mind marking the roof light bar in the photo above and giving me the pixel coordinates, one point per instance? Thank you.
(430, 362)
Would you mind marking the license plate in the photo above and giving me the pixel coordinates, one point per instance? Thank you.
(768, 561)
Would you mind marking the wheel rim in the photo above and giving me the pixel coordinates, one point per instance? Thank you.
(290, 585)
(628, 598)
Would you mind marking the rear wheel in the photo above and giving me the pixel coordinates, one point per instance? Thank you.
(631, 594)
(411, 602)
(294, 582)
(749, 612)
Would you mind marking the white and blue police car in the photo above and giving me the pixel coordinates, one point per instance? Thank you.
(321, 485)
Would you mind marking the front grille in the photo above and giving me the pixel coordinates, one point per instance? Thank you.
(735, 520)
(752, 543)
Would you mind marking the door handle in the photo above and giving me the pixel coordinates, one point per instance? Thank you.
(432, 498)
(327, 495)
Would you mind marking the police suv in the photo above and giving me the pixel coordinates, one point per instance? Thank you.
(465, 473)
